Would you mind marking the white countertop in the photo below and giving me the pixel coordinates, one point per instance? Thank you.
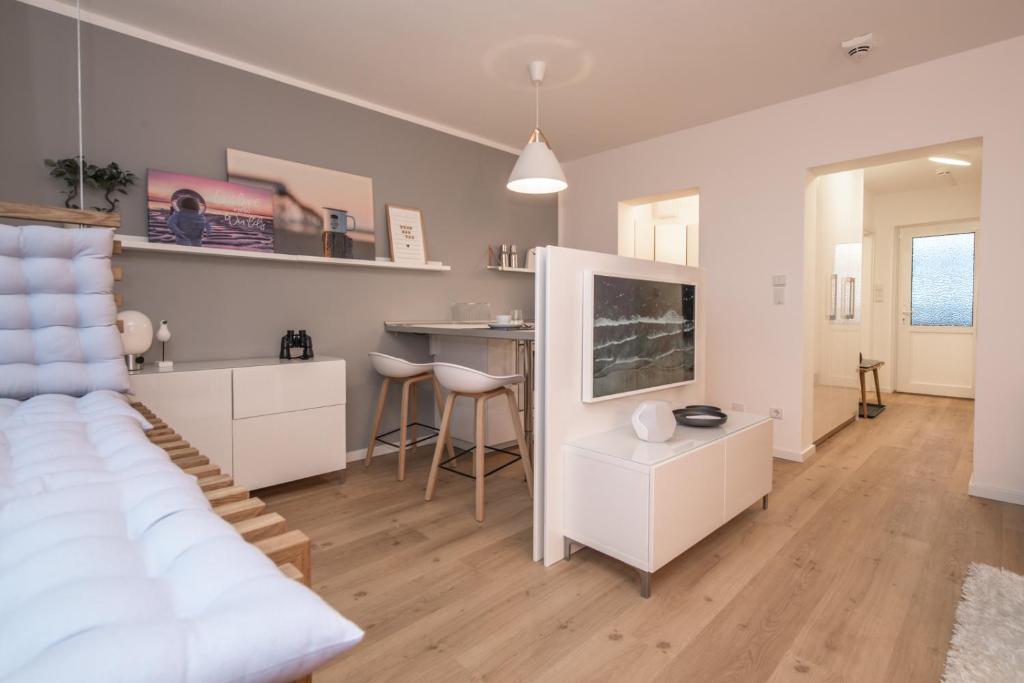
(460, 329)
(622, 443)
(194, 365)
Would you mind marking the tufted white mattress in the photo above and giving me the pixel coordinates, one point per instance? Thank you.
(114, 568)
(58, 330)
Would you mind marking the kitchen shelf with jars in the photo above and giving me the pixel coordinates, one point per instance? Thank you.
(506, 259)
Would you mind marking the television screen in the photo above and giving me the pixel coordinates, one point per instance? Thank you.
(642, 336)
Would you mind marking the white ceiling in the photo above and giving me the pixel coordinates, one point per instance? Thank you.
(619, 70)
(921, 174)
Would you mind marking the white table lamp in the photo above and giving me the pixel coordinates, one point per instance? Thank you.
(163, 335)
(136, 336)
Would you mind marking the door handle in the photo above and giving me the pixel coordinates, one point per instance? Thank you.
(834, 303)
(852, 294)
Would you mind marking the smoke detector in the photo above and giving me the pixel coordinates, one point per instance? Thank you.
(860, 47)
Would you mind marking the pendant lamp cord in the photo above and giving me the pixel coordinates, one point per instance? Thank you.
(81, 146)
(536, 100)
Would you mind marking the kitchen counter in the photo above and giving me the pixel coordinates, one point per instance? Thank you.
(459, 329)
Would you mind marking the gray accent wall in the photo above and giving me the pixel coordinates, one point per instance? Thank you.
(146, 106)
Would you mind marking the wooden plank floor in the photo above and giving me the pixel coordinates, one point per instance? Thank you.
(852, 574)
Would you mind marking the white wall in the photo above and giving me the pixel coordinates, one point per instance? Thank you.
(890, 211)
(752, 173)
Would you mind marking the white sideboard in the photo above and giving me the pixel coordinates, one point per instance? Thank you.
(645, 503)
(264, 421)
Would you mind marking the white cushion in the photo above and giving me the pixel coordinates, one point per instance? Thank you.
(114, 568)
(58, 322)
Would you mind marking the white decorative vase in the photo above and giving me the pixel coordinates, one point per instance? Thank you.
(653, 421)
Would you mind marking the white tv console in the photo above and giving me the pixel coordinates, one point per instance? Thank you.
(645, 503)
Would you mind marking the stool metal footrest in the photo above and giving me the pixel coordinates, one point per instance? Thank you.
(469, 451)
(415, 442)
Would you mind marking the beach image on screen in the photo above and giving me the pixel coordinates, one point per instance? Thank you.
(644, 334)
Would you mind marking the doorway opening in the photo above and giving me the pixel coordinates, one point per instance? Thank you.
(662, 227)
(892, 243)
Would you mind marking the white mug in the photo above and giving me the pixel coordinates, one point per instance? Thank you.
(503, 319)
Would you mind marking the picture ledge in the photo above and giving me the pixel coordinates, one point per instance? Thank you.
(138, 243)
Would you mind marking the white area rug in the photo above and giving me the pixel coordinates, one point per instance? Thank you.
(988, 637)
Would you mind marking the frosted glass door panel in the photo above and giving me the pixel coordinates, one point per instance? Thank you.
(942, 280)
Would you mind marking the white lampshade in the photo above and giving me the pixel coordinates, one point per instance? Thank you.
(537, 170)
(137, 335)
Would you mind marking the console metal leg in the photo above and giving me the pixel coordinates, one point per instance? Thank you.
(645, 584)
(566, 549)
(764, 502)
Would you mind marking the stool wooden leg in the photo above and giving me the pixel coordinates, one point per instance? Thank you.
(878, 387)
(863, 395)
(413, 410)
(446, 419)
(440, 406)
(402, 433)
(478, 457)
(524, 452)
(376, 419)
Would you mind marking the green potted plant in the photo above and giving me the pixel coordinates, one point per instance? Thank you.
(110, 179)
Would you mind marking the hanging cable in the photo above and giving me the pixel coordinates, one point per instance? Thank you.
(536, 103)
(81, 146)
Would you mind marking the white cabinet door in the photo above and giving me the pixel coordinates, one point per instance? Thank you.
(688, 495)
(269, 389)
(273, 449)
(607, 507)
(748, 468)
(196, 405)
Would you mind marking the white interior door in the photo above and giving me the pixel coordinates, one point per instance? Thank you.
(935, 330)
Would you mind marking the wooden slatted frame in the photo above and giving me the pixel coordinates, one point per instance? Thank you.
(290, 550)
(268, 531)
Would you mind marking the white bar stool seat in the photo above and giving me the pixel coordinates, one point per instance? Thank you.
(469, 381)
(395, 369)
(480, 386)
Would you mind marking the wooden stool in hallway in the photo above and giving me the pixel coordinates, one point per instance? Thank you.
(481, 387)
(409, 374)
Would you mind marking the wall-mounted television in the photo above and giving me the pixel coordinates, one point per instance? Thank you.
(639, 335)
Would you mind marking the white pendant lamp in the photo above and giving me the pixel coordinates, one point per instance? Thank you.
(537, 170)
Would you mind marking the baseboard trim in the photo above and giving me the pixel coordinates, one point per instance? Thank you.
(795, 456)
(995, 493)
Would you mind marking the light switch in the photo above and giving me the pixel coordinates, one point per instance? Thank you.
(778, 280)
(778, 295)
(879, 294)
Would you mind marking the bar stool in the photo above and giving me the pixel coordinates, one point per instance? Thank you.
(463, 381)
(409, 374)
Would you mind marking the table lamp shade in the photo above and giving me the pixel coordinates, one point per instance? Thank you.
(137, 335)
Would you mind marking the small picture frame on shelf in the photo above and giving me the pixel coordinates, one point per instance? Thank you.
(405, 235)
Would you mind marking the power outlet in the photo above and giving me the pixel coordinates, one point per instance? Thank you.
(775, 413)
(739, 407)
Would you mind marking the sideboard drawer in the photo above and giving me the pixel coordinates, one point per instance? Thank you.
(272, 389)
(273, 449)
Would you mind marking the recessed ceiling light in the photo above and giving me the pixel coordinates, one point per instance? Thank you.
(950, 160)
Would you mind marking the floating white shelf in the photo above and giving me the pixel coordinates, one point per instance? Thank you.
(138, 243)
(509, 269)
